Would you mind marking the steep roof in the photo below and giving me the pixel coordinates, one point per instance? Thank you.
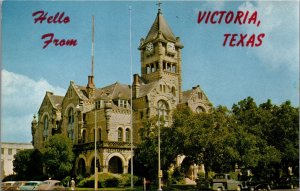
(114, 91)
(186, 95)
(80, 91)
(160, 24)
(146, 88)
(55, 100)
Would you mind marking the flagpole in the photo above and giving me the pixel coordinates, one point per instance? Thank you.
(131, 76)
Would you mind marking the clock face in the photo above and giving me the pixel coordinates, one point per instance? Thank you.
(170, 46)
(149, 47)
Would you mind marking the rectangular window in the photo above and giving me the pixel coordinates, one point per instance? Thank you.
(141, 115)
(10, 151)
(122, 103)
(2, 151)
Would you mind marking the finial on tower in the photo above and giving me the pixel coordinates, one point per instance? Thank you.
(158, 4)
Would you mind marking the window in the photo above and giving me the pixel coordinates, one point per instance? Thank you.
(71, 124)
(70, 94)
(141, 114)
(2, 151)
(200, 95)
(99, 104)
(127, 135)
(200, 109)
(163, 110)
(120, 134)
(123, 103)
(83, 136)
(99, 135)
(148, 70)
(46, 126)
(46, 123)
(173, 91)
(173, 69)
(9, 151)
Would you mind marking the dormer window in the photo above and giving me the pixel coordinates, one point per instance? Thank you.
(122, 103)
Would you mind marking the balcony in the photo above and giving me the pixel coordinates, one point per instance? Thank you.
(102, 145)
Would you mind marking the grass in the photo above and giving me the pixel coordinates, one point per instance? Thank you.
(138, 188)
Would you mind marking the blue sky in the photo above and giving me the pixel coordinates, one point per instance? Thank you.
(226, 74)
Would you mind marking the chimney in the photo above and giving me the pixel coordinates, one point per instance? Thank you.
(90, 87)
(135, 86)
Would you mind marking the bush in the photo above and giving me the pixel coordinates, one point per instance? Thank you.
(11, 177)
(112, 182)
(108, 180)
(177, 177)
(125, 180)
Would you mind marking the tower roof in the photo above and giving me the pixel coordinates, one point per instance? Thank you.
(160, 25)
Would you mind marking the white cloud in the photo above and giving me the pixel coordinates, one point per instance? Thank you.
(280, 23)
(21, 98)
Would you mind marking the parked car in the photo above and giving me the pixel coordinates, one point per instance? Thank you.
(16, 185)
(253, 184)
(31, 185)
(222, 182)
(6, 185)
(50, 185)
(288, 182)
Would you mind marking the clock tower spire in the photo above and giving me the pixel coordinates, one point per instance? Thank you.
(161, 54)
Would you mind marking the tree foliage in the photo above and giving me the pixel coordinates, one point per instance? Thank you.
(28, 164)
(263, 138)
(58, 156)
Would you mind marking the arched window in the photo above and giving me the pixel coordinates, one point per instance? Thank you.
(83, 136)
(163, 110)
(173, 91)
(127, 135)
(99, 135)
(120, 134)
(46, 127)
(200, 109)
(71, 124)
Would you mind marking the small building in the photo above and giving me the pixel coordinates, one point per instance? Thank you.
(8, 150)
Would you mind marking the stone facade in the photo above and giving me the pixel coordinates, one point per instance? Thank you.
(156, 92)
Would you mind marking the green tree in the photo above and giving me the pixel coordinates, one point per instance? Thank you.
(58, 156)
(211, 140)
(275, 134)
(146, 155)
(28, 164)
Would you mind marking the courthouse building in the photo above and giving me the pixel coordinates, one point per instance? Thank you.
(156, 91)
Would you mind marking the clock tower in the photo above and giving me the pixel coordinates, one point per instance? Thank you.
(161, 56)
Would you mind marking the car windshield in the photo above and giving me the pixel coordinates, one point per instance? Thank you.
(31, 183)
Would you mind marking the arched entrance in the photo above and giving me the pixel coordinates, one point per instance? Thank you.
(115, 165)
(187, 167)
(81, 170)
(92, 170)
